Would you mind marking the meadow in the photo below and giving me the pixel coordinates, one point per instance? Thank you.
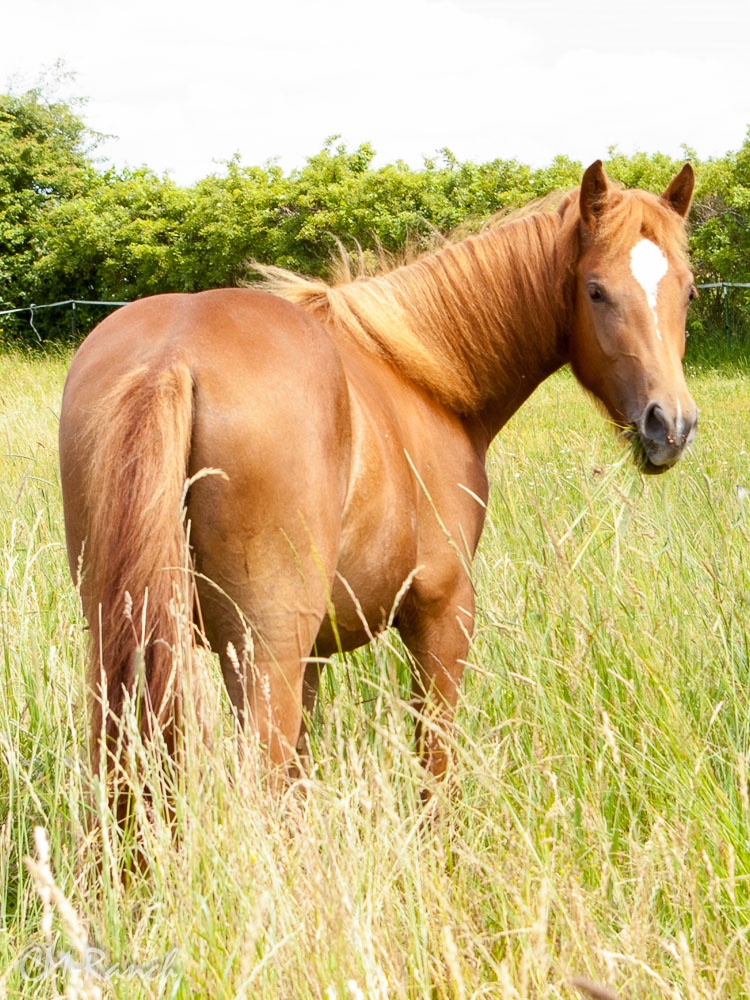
(598, 819)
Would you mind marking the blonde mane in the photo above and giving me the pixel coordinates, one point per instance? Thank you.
(449, 321)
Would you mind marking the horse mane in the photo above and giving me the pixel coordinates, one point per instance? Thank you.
(449, 320)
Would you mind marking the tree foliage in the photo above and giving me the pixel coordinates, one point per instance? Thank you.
(71, 230)
(44, 163)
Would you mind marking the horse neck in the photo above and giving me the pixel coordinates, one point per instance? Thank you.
(491, 312)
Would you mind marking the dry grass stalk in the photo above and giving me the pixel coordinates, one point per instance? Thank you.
(80, 985)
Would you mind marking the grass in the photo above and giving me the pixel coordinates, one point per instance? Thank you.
(600, 821)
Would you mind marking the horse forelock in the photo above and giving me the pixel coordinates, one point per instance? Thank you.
(633, 215)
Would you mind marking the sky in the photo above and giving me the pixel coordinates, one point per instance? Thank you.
(183, 87)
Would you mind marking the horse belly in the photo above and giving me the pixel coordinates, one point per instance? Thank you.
(378, 545)
(366, 596)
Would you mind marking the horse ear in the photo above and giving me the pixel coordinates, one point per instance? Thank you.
(680, 191)
(593, 194)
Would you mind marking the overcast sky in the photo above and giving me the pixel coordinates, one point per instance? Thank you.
(183, 86)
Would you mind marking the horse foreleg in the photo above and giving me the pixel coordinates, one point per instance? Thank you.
(437, 636)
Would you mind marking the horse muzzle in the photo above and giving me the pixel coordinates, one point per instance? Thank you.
(662, 433)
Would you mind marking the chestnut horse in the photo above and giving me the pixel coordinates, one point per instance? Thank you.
(322, 450)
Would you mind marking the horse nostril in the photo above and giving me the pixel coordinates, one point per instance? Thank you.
(654, 424)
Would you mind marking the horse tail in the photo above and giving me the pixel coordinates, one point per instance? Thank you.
(136, 585)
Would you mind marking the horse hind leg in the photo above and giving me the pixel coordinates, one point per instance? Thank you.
(263, 635)
(310, 686)
(265, 680)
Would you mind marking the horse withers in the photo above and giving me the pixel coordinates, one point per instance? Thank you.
(322, 450)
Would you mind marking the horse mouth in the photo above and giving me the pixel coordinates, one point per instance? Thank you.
(648, 468)
(645, 460)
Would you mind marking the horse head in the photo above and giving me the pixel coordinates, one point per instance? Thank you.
(633, 288)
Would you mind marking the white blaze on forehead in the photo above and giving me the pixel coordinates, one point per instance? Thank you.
(649, 265)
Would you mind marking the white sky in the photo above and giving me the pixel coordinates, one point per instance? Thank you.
(185, 85)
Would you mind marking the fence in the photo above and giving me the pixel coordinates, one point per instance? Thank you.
(725, 287)
(73, 303)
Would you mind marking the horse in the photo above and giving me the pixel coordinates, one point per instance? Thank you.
(319, 451)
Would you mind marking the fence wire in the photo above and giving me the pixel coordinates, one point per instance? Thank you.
(724, 286)
(73, 303)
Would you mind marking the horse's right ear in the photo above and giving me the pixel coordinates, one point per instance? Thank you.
(593, 195)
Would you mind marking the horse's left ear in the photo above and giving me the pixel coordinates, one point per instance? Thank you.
(680, 191)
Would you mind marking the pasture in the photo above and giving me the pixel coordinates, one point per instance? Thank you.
(597, 821)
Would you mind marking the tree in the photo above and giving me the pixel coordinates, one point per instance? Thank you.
(44, 162)
(720, 243)
(72, 230)
(118, 240)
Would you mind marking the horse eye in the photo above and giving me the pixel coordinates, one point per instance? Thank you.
(693, 294)
(596, 292)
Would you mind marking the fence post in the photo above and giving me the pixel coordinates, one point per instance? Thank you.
(727, 327)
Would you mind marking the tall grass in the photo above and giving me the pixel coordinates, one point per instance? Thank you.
(598, 821)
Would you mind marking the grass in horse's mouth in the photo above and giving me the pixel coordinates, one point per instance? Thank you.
(640, 456)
